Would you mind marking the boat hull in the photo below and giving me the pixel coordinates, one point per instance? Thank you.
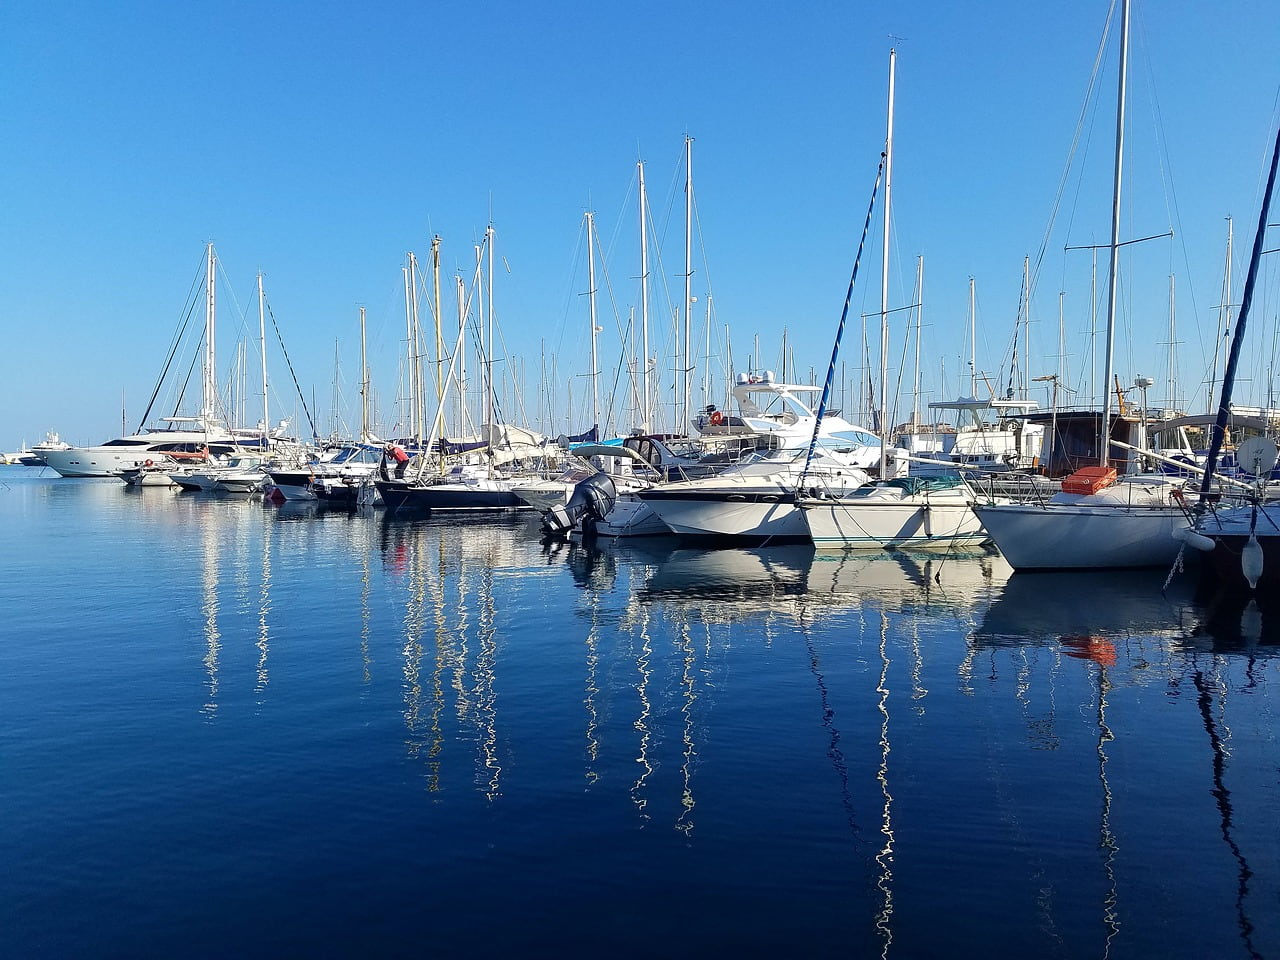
(293, 484)
(444, 496)
(918, 523)
(630, 517)
(1081, 537)
(738, 513)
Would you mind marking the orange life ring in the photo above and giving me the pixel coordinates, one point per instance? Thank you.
(149, 463)
(717, 419)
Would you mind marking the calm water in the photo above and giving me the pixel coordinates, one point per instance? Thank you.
(230, 729)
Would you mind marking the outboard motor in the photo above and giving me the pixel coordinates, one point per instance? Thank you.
(590, 501)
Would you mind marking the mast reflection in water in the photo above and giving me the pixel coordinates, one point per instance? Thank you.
(231, 728)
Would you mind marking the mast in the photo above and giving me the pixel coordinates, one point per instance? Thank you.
(884, 280)
(435, 315)
(706, 357)
(488, 344)
(644, 306)
(262, 349)
(591, 303)
(207, 403)
(408, 345)
(460, 425)
(915, 382)
(364, 384)
(415, 352)
(1172, 388)
(973, 346)
(1018, 376)
(1224, 312)
(1104, 439)
(688, 277)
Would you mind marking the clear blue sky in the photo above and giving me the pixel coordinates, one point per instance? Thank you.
(319, 142)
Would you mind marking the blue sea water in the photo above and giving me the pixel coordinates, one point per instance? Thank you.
(234, 729)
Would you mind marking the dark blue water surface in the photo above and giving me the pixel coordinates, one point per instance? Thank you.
(229, 729)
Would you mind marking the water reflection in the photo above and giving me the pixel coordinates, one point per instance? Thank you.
(452, 633)
(1029, 759)
(1135, 629)
(210, 571)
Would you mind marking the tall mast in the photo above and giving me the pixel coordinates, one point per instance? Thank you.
(364, 384)
(973, 343)
(488, 356)
(1172, 387)
(408, 346)
(688, 278)
(209, 400)
(438, 429)
(591, 302)
(1021, 379)
(460, 425)
(415, 340)
(706, 357)
(915, 385)
(1104, 456)
(262, 349)
(644, 305)
(476, 287)
(884, 279)
(1224, 312)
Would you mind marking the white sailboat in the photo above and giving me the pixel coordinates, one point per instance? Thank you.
(1097, 522)
(894, 511)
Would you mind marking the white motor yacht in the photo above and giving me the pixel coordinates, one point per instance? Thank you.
(187, 440)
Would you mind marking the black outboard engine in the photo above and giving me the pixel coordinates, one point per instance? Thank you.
(590, 501)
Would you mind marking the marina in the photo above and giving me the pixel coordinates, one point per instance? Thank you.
(534, 556)
(238, 727)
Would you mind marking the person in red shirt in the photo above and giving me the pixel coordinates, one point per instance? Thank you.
(397, 453)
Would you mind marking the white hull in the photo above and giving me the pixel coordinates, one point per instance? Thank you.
(631, 517)
(883, 520)
(132, 452)
(1060, 536)
(544, 495)
(241, 484)
(147, 477)
(743, 512)
(1131, 523)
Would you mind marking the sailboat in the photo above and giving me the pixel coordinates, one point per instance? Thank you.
(467, 485)
(186, 437)
(893, 511)
(1097, 521)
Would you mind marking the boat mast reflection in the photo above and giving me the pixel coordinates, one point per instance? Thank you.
(209, 574)
(451, 638)
(1222, 796)
(884, 856)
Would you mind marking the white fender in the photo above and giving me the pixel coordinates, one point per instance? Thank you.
(1251, 561)
(1192, 539)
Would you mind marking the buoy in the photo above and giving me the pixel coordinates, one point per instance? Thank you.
(1193, 539)
(149, 463)
(1251, 561)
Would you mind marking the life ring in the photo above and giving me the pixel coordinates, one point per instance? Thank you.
(717, 419)
(149, 463)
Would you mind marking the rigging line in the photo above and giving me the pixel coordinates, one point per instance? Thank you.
(192, 299)
(844, 315)
(1075, 143)
(289, 363)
